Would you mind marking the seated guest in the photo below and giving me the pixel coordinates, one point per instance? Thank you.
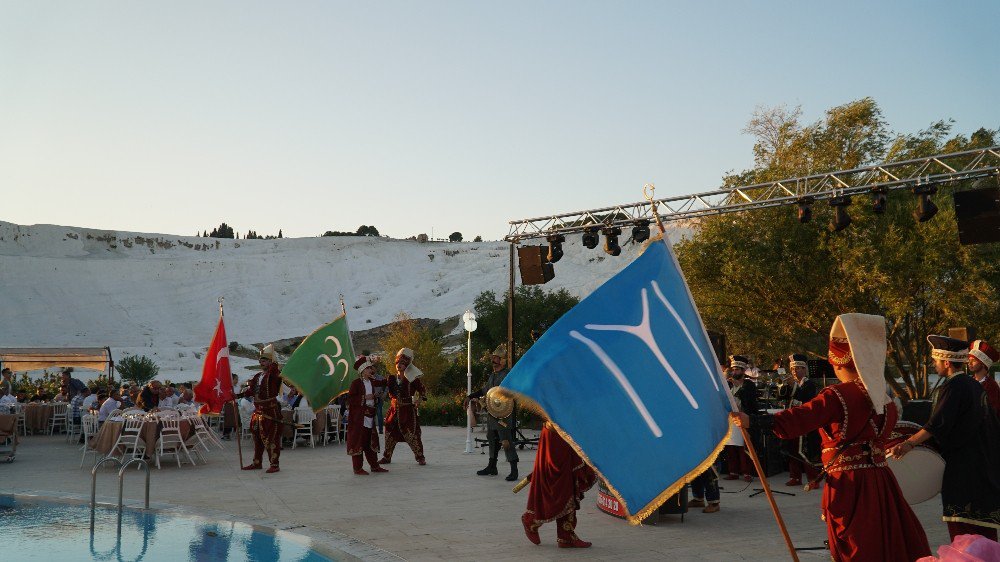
(63, 395)
(247, 409)
(39, 395)
(5, 398)
(167, 398)
(89, 400)
(112, 403)
(75, 409)
(291, 397)
(126, 399)
(149, 397)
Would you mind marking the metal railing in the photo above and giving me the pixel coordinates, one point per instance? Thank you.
(879, 178)
(121, 485)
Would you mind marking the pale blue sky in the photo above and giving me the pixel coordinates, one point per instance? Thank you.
(312, 116)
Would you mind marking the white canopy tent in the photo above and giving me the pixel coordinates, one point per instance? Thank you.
(22, 359)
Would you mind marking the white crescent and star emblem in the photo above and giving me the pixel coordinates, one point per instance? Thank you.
(332, 361)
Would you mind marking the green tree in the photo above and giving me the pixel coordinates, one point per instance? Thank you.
(774, 286)
(426, 346)
(137, 369)
(535, 309)
(455, 237)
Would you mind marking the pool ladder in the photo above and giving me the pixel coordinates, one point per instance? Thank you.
(121, 484)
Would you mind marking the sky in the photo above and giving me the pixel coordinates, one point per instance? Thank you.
(436, 117)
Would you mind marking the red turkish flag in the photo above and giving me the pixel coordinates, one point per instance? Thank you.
(216, 386)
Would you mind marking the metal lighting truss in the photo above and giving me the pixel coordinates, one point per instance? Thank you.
(882, 178)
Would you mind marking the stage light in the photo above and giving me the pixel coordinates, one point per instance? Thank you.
(879, 201)
(640, 232)
(841, 219)
(555, 247)
(926, 209)
(611, 246)
(805, 210)
(590, 238)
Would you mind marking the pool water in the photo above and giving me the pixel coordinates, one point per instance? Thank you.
(37, 530)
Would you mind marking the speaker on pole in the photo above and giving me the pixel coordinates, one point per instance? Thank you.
(534, 267)
(977, 212)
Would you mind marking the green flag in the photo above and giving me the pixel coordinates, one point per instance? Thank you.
(322, 367)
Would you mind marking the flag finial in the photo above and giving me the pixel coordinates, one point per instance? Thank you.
(647, 192)
(220, 306)
(343, 307)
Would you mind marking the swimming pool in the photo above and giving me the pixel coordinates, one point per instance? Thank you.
(43, 530)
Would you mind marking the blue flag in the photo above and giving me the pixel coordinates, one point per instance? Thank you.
(629, 377)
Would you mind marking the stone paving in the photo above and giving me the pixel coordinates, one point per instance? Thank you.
(441, 511)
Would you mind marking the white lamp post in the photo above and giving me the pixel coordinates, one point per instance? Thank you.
(469, 318)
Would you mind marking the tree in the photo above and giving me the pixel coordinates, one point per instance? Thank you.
(536, 310)
(137, 369)
(774, 285)
(427, 350)
(279, 233)
(365, 230)
(223, 231)
(477, 239)
(455, 237)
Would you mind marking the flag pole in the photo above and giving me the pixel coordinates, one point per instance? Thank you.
(236, 409)
(648, 191)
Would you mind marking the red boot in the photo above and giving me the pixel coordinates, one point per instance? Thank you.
(575, 542)
(360, 472)
(272, 469)
(252, 467)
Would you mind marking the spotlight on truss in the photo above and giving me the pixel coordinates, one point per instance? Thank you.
(611, 246)
(640, 232)
(879, 201)
(926, 209)
(555, 247)
(841, 219)
(590, 238)
(805, 209)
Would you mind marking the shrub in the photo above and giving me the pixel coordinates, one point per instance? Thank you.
(137, 369)
(443, 410)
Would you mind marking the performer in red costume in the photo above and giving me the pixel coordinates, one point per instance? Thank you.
(982, 356)
(361, 437)
(866, 516)
(558, 481)
(401, 421)
(266, 423)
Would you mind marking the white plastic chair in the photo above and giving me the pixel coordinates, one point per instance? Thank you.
(88, 424)
(72, 427)
(205, 433)
(171, 442)
(58, 417)
(332, 424)
(303, 418)
(130, 441)
(18, 410)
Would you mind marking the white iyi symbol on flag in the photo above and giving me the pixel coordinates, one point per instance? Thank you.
(644, 332)
(330, 359)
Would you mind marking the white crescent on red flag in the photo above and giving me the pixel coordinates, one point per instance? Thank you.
(216, 386)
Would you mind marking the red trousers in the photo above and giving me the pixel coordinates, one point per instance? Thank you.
(738, 461)
(366, 449)
(795, 469)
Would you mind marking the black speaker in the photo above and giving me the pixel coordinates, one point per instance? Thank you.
(819, 368)
(535, 269)
(977, 212)
(719, 346)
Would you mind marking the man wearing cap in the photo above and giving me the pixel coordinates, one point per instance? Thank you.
(800, 451)
(866, 515)
(966, 433)
(401, 421)
(499, 432)
(266, 422)
(745, 392)
(982, 356)
(361, 437)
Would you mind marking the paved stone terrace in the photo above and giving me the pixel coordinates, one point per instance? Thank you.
(439, 511)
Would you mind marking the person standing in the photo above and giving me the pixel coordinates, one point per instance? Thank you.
(402, 422)
(705, 488)
(5, 380)
(745, 392)
(558, 481)
(500, 433)
(361, 436)
(982, 356)
(266, 422)
(73, 386)
(866, 516)
(966, 432)
(802, 450)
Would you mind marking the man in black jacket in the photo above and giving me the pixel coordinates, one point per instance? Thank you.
(803, 450)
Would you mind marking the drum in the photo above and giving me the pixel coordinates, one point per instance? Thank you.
(919, 473)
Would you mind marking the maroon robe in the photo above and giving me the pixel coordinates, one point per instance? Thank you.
(866, 516)
(266, 423)
(558, 481)
(401, 421)
(357, 434)
(992, 393)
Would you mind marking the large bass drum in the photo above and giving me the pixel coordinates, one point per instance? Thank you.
(919, 473)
